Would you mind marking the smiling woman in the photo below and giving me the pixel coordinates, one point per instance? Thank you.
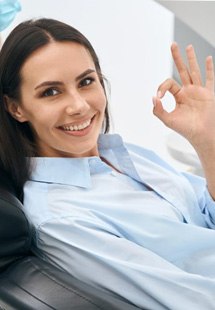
(98, 205)
(61, 76)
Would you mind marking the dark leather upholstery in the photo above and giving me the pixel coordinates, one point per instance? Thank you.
(27, 282)
(15, 231)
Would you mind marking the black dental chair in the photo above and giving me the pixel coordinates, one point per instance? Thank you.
(27, 282)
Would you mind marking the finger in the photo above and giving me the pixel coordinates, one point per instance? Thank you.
(159, 111)
(195, 72)
(180, 65)
(169, 85)
(209, 73)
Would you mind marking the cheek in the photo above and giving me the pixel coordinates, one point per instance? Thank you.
(39, 126)
(40, 119)
(101, 101)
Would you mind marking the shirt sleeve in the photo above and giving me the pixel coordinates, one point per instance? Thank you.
(90, 250)
(206, 202)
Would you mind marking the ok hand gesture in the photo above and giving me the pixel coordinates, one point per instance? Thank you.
(194, 113)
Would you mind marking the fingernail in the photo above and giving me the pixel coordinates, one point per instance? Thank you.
(154, 101)
(159, 94)
(189, 47)
(173, 45)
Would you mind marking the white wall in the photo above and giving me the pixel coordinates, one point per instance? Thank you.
(132, 39)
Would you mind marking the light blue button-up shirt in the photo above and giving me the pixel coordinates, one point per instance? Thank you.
(146, 234)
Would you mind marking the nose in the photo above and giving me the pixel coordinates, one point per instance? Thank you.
(76, 104)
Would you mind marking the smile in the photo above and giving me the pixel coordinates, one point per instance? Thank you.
(78, 130)
(77, 127)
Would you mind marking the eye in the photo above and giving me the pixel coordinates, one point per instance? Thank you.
(86, 81)
(50, 92)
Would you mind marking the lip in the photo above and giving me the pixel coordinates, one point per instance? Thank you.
(78, 133)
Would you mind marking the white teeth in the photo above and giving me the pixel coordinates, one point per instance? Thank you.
(77, 127)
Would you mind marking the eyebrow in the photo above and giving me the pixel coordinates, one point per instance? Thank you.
(55, 83)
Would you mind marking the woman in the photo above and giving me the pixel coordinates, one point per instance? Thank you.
(137, 227)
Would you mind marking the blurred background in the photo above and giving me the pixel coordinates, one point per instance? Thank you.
(132, 40)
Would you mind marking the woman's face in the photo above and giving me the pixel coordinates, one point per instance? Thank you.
(63, 100)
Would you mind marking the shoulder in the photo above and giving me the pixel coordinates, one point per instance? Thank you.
(137, 151)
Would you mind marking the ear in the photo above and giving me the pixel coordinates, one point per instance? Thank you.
(14, 109)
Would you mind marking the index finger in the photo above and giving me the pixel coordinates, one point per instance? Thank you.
(180, 65)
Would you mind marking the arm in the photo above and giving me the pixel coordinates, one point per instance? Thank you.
(194, 113)
(90, 250)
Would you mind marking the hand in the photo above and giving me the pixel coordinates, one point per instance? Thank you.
(194, 114)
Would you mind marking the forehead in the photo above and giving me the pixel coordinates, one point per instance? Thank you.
(57, 58)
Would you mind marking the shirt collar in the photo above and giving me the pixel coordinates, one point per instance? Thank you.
(79, 171)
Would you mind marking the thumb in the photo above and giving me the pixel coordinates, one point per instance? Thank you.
(159, 111)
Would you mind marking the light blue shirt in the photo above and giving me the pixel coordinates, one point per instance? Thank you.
(146, 234)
